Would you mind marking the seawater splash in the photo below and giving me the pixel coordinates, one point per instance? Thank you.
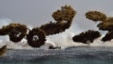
(4, 39)
(18, 31)
(63, 39)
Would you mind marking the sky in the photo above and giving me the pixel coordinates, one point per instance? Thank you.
(38, 12)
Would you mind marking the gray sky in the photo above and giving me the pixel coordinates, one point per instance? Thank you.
(38, 12)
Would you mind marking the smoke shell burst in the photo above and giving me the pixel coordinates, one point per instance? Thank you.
(106, 23)
(38, 41)
(84, 37)
(15, 31)
(63, 17)
(18, 31)
(95, 15)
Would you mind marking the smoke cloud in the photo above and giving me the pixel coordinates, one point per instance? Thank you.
(56, 34)
(62, 40)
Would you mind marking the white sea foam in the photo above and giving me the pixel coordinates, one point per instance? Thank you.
(62, 40)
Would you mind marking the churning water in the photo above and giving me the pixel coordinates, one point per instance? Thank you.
(72, 55)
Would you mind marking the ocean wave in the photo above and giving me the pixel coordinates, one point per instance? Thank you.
(75, 52)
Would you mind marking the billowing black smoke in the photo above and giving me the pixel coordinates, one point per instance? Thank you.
(108, 36)
(36, 36)
(86, 37)
(106, 23)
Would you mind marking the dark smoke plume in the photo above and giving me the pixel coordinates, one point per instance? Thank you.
(108, 36)
(15, 31)
(84, 37)
(64, 19)
(65, 14)
(54, 28)
(51, 28)
(95, 15)
(106, 24)
(36, 37)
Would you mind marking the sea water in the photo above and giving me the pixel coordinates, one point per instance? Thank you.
(72, 55)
